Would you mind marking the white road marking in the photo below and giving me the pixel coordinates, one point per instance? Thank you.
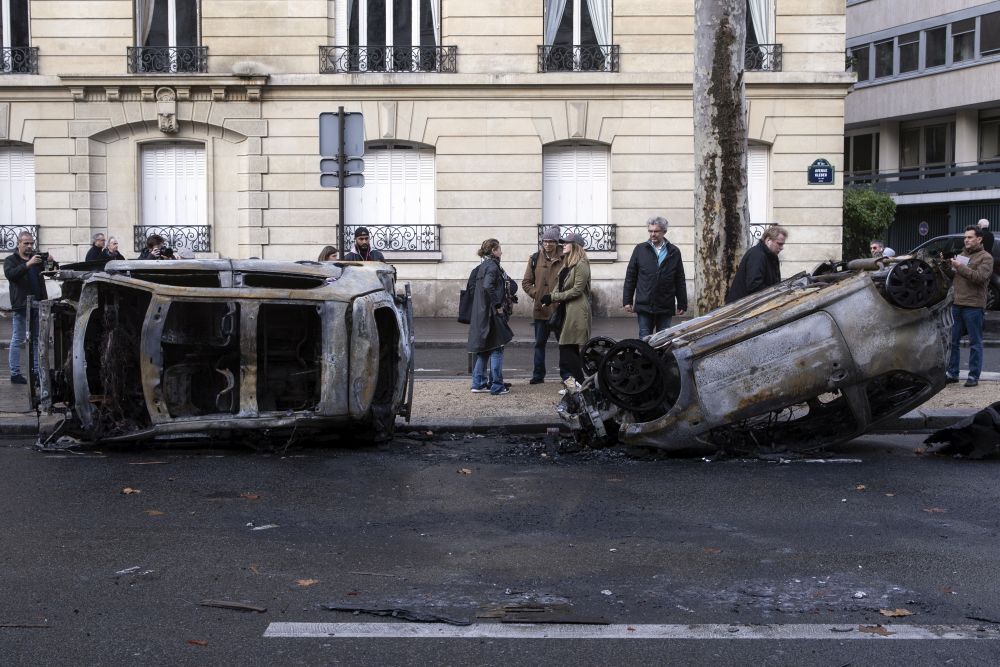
(838, 631)
(428, 370)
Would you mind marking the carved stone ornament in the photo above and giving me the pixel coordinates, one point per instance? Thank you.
(166, 110)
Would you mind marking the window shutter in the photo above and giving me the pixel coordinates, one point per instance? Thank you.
(398, 190)
(174, 185)
(575, 185)
(758, 189)
(17, 186)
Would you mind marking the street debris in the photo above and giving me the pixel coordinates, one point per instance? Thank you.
(402, 614)
(266, 526)
(155, 513)
(974, 437)
(305, 583)
(197, 642)
(235, 606)
(860, 595)
(129, 570)
(249, 496)
(128, 491)
(606, 592)
(464, 471)
(875, 630)
(895, 613)
(935, 510)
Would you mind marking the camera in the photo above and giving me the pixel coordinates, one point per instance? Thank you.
(48, 264)
(166, 251)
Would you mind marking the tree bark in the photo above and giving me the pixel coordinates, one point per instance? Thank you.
(720, 148)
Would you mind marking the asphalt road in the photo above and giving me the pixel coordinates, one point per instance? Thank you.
(461, 526)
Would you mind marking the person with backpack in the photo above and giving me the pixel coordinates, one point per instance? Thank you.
(492, 301)
(541, 277)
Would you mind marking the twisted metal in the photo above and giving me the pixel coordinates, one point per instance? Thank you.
(763, 57)
(146, 59)
(578, 57)
(19, 60)
(334, 59)
(197, 238)
(9, 234)
(599, 238)
(399, 238)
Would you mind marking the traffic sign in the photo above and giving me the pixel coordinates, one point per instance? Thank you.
(354, 134)
(350, 180)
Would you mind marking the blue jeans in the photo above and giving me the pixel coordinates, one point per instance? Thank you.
(969, 321)
(542, 333)
(650, 323)
(495, 378)
(18, 338)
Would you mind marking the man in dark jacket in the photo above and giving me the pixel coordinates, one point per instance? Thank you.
(23, 270)
(363, 251)
(655, 288)
(759, 267)
(984, 225)
(96, 252)
(541, 277)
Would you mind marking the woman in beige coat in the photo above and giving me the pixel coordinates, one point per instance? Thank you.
(573, 296)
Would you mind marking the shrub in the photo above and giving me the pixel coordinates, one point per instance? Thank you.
(867, 216)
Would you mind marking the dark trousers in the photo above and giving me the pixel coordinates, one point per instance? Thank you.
(570, 359)
(542, 333)
(650, 323)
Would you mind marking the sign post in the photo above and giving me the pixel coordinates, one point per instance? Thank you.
(342, 138)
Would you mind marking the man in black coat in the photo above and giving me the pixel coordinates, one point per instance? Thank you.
(363, 251)
(96, 252)
(23, 270)
(759, 267)
(655, 287)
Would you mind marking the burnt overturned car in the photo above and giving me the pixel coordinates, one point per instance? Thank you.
(812, 361)
(259, 350)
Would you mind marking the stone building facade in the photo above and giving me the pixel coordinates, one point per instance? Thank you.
(483, 118)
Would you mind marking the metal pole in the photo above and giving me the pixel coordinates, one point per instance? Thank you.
(341, 164)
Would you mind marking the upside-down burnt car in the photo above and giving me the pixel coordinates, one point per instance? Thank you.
(815, 360)
(147, 350)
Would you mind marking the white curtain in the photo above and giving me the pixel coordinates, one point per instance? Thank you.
(554, 10)
(760, 15)
(144, 19)
(436, 20)
(600, 16)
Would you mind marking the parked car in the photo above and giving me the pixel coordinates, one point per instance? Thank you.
(813, 361)
(146, 350)
(949, 245)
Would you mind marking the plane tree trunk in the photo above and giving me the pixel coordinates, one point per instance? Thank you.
(720, 148)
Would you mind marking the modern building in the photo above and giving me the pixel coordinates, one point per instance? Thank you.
(922, 120)
(199, 120)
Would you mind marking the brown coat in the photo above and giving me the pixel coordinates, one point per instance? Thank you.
(541, 280)
(973, 279)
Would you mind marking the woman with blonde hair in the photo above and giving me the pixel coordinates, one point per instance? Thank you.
(328, 254)
(573, 298)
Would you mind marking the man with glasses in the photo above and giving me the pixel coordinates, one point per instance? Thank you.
(363, 251)
(540, 278)
(23, 270)
(655, 288)
(759, 267)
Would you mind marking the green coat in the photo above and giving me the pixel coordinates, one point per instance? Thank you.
(576, 296)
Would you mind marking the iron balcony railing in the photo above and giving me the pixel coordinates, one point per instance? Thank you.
(578, 57)
(336, 59)
(19, 60)
(762, 58)
(947, 178)
(9, 234)
(197, 238)
(599, 238)
(167, 59)
(398, 238)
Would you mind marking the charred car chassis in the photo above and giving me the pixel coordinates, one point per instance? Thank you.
(141, 350)
(815, 360)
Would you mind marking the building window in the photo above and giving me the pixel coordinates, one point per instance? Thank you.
(174, 195)
(860, 61)
(926, 146)
(861, 154)
(935, 46)
(989, 140)
(575, 185)
(15, 52)
(392, 35)
(167, 37)
(758, 183)
(577, 35)
(909, 52)
(399, 188)
(883, 58)
(963, 40)
(989, 34)
(17, 192)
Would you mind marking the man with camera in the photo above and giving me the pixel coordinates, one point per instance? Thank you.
(156, 248)
(23, 269)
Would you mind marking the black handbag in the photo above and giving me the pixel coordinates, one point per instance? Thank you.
(467, 297)
(558, 318)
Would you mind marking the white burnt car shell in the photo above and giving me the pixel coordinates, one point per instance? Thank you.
(141, 350)
(815, 360)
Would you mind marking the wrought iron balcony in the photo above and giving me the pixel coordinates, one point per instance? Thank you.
(335, 59)
(762, 58)
(398, 238)
(599, 238)
(197, 238)
(578, 57)
(19, 60)
(9, 234)
(167, 59)
(923, 180)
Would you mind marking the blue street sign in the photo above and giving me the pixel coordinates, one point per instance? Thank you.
(820, 172)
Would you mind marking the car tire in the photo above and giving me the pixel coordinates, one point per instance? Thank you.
(992, 298)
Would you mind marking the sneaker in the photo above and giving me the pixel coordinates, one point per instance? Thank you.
(562, 392)
(507, 385)
(950, 380)
(18, 379)
(972, 382)
(504, 390)
(536, 380)
(481, 390)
